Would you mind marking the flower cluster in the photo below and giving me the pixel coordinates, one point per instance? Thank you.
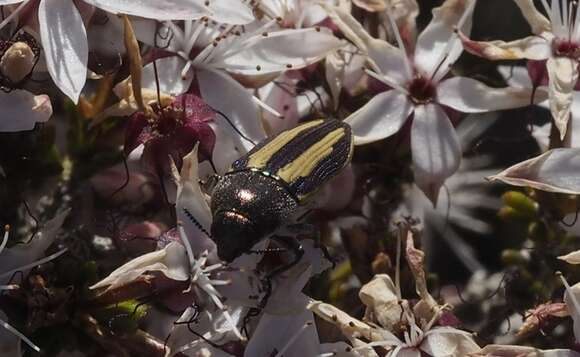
(278, 178)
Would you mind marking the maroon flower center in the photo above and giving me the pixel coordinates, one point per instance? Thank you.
(168, 121)
(566, 48)
(422, 90)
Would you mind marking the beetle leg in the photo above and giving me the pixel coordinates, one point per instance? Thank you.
(318, 244)
(291, 244)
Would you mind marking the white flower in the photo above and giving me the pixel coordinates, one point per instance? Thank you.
(64, 37)
(555, 39)
(206, 55)
(420, 89)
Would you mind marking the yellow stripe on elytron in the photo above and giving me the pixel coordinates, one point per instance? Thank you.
(303, 165)
(261, 157)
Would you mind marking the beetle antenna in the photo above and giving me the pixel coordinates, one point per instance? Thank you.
(196, 222)
(234, 127)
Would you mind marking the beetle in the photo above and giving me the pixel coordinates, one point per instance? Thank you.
(273, 183)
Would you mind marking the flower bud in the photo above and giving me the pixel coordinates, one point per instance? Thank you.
(513, 257)
(521, 203)
(17, 61)
(508, 213)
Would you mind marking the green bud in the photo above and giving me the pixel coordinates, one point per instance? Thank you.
(513, 257)
(521, 203)
(508, 213)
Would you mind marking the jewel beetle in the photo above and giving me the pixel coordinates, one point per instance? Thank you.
(268, 187)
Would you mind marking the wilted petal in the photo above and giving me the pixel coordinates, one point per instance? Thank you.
(433, 43)
(169, 76)
(538, 22)
(416, 261)
(563, 73)
(347, 324)
(171, 261)
(571, 258)
(158, 9)
(435, 147)
(533, 47)
(448, 341)
(280, 51)
(380, 297)
(468, 95)
(64, 40)
(554, 171)
(381, 117)
(536, 317)
(229, 97)
(21, 110)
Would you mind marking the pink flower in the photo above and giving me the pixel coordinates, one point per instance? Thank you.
(172, 132)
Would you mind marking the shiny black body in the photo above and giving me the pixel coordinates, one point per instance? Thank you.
(247, 206)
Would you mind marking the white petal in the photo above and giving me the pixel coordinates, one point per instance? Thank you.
(169, 76)
(471, 96)
(571, 258)
(563, 73)
(171, 261)
(191, 202)
(233, 100)
(572, 298)
(224, 11)
(381, 117)
(281, 50)
(433, 43)
(21, 110)
(64, 40)
(383, 57)
(158, 9)
(554, 171)
(275, 331)
(532, 47)
(435, 147)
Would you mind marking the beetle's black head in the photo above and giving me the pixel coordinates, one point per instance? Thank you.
(234, 234)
